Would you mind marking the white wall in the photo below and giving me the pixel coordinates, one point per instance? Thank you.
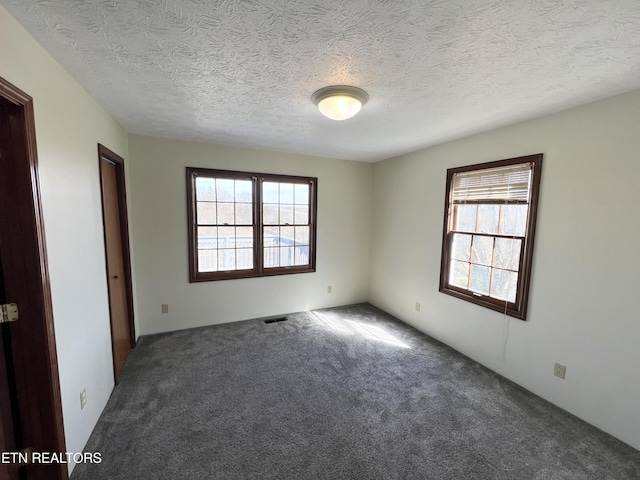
(583, 309)
(69, 125)
(158, 206)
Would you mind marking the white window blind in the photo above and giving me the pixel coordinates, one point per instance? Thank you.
(504, 184)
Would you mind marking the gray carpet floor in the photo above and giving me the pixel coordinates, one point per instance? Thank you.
(341, 393)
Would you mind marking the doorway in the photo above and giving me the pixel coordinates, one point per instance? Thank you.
(116, 244)
(30, 404)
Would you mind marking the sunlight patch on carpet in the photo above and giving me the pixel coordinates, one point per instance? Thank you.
(352, 327)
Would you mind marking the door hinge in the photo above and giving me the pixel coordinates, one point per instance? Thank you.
(8, 312)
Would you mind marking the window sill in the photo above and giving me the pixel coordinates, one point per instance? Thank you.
(271, 272)
(513, 310)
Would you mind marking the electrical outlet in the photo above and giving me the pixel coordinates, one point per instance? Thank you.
(83, 398)
(417, 307)
(559, 370)
(329, 289)
(165, 308)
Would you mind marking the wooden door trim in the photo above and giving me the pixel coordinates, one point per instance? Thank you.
(118, 161)
(33, 338)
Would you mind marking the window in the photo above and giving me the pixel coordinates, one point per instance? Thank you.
(249, 224)
(489, 226)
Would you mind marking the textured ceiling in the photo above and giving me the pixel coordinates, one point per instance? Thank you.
(242, 72)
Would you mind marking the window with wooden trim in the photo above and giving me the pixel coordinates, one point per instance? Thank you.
(489, 228)
(244, 224)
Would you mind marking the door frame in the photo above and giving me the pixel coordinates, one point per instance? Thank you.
(118, 162)
(33, 336)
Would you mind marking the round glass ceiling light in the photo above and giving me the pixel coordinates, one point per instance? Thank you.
(339, 102)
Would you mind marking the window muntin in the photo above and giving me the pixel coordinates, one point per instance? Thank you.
(488, 234)
(245, 224)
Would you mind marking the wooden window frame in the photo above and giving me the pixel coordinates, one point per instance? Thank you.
(517, 309)
(258, 270)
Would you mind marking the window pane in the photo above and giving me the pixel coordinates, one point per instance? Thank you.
(504, 284)
(271, 257)
(205, 189)
(302, 235)
(301, 215)
(224, 190)
(461, 247)
(488, 218)
(301, 255)
(244, 237)
(225, 214)
(465, 218)
(227, 259)
(286, 193)
(207, 260)
(226, 237)
(270, 214)
(482, 251)
(244, 258)
(286, 214)
(207, 238)
(480, 279)
(286, 256)
(270, 192)
(301, 194)
(507, 253)
(514, 219)
(459, 274)
(244, 191)
(225, 248)
(271, 236)
(206, 212)
(244, 214)
(286, 235)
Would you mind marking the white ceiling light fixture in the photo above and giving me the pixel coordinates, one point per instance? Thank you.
(339, 102)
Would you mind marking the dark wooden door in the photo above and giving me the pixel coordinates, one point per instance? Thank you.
(8, 428)
(30, 404)
(117, 268)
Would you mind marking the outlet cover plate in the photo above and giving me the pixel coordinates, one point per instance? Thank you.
(559, 370)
